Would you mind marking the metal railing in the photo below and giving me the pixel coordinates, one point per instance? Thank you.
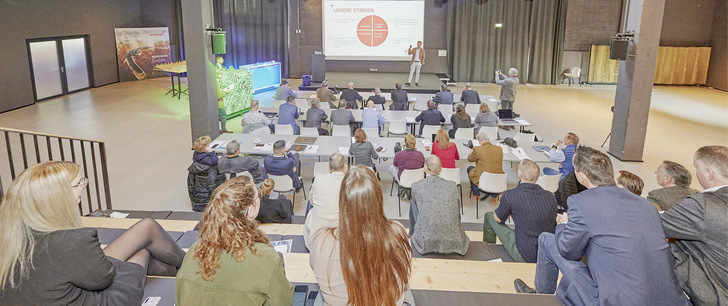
(24, 149)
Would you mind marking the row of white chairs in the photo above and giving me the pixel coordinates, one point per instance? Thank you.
(400, 128)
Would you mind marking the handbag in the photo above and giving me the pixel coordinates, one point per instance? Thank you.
(510, 142)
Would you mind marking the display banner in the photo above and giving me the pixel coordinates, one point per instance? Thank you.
(138, 50)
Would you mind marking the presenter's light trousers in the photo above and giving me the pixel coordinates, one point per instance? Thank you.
(415, 66)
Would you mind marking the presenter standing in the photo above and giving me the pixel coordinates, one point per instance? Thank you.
(509, 85)
(418, 59)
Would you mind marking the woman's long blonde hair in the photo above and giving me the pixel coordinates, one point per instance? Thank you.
(39, 200)
(443, 141)
(225, 226)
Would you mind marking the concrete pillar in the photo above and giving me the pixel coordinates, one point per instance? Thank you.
(201, 78)
(636, 76)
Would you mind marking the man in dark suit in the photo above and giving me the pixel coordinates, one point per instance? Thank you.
(288, 114)
(377, 97)
(469, 96)
(399, 95)
(444, 96)
(431, 116)
(343, 116)
(351, 96)
(283, 163)
(315, 116)
(621, 236)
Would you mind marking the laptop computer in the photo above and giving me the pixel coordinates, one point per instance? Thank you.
(505, 114)
(305, 140)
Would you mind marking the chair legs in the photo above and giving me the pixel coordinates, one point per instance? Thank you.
(462, 210)
(392, 188)
(399, 204)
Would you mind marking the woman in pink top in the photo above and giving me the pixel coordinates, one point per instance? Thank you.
(444, 149)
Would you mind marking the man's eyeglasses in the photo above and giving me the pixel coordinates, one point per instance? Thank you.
(82, 182)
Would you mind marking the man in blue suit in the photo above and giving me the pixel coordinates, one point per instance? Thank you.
(283, 163)
(444, 96)
(288, 114)
(431, 116)
(629, 260)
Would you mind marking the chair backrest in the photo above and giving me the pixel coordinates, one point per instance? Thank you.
(309, 131)
(320, 168)
(576, 72)
(371, 132)
(313, 96)
(277, 103)
(398, 127)
(428, 130)
(249, 128)
(523, 137)
(283, 183)
(445, 108)
(493, 183)
(284, 129)
(325, 105)
(379, 107)
(420, 105)
(464, 133)
(341, 130)
(549, 182)
(302, 103)
(491, 131)
(263, 130)
(472, 108)
(493, 105)
(410, 176)
(451, 174)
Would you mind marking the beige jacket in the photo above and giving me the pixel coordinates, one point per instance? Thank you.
(413, 51)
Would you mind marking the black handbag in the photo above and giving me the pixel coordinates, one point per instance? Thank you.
(510, 142)
(397, 147)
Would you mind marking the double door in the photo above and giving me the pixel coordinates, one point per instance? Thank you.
(59, 65)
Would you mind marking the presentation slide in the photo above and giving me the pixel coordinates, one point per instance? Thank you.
(372, 30)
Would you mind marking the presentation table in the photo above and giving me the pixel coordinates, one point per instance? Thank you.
(174, 69)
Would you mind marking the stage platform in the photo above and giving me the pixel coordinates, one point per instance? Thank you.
(366, 81)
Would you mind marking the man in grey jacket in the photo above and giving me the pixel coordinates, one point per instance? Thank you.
(315, 116)
(233, 163)
(343, 116)
(509, 85)
(699, 225)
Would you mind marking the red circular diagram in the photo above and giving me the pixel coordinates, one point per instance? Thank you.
(372, 30)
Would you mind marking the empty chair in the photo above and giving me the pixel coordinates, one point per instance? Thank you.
(309, 131)
(277, 103)
(284, 129)
(472, 108)
(490, 183)
(575, 74)
(493, 105)
(405, 182)
(445, 108)
(549, 182)
(325, 105)
(284, 183)
(491, 131)
(523, 137)
(453, 174)
(371, 132)
(421, 105)
(302, 103)
(464, 133)
(428, 130)
(379, 107)
(341, 130)
(397, 128)
(320, 168)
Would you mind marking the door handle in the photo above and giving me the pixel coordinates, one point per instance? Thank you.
(62, 70)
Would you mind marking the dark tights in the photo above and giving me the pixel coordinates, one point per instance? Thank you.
(147, 244)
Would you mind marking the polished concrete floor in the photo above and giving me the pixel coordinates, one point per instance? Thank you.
(148, 134)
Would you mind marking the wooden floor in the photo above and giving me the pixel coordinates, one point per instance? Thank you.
(148, 133)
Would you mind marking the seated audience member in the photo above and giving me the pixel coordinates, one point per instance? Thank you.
(284, 91)
(288, 114)
(624, 268)
(469, 96)
(233, 163)
(568, 186)
(631, 182)
(203, 175)
(431, 116)
(487, 158)
(274, 206)
(324, 198)
(343, 116)
(378, 276)
(231, 245)
(371, 118)
(377, 97)
(47, 257)
(325, 95)
(444, 149)
(443, 97)
(533, 210)
(563, 155)
(363, 151)
(283, 163)
(485, 117)
(699, 225)
(460, 119)
(399, 97)
(675, 181)
(407, 159)
(351, 96)
(255, 119)
(435, 214)
(315, 116)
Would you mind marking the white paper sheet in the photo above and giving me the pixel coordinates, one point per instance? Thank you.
(152, 301)
(118, 215)
(282, 246)
(522, 122)
(409, 119)
(496, 260)
(505, 148)
(426, 142)
(344, 151)
(520, 154)
(493, 100)
(311, 149)
(218, 143)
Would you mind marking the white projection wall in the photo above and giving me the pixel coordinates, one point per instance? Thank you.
(371, 30)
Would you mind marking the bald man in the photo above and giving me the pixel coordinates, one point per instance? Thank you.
(351, 96)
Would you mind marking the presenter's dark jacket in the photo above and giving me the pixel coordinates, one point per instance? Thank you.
(70, 268)
(443, 97)
(629, 259)
(470, 97)
(399, 96)
(429, 117)
(377, 99)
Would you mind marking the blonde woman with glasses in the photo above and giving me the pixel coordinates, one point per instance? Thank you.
(49, 258)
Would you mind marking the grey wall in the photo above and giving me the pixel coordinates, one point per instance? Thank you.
(718, 68)
(591, 22)
(21, 20)
(162, 13)
(687, 23)
(310, 39)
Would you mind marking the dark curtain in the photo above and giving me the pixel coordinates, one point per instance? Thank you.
(257, 31)
(546, 41)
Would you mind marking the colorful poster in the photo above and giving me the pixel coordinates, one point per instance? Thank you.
(138, 50)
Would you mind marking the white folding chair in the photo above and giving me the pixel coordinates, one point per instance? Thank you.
(313, 96)
(445, 108)
(341, 130)
(491, 131)
(575, 74)
(302, 103)
(464, 133)
(405, 182)
(284, 183)
(397, 128)
(490, 183)
(277, 103)
(472, 108)
(453, 174)
(493, 105)
(284, 129)
(308, 131)
(420, 105)
(320, 168)
(549, 182)
(379, 107)
(523, 137)
(371, 132)
(428, 130)
(325, 105)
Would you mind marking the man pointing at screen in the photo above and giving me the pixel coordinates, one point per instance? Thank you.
(418, 59)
